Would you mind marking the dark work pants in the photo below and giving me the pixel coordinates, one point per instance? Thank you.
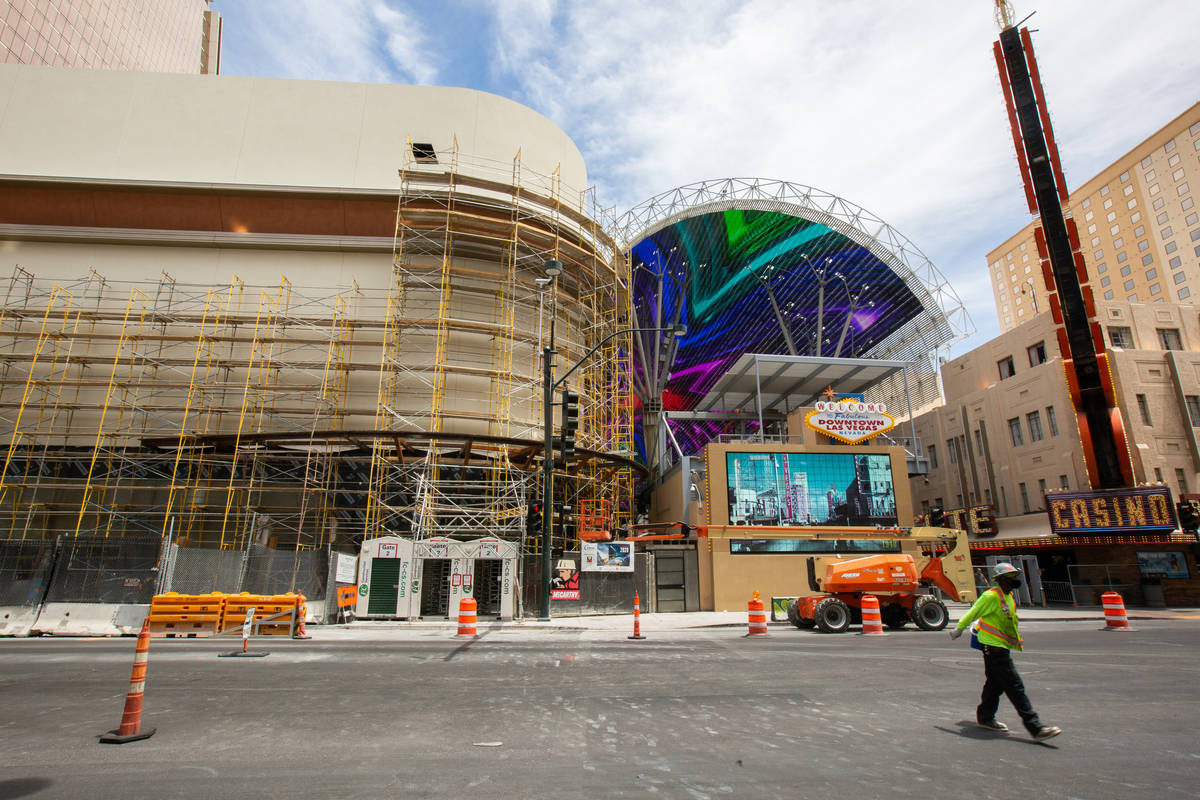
(1002, 679)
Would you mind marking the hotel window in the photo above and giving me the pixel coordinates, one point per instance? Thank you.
(1147, 260)
(1159, 203)
(1024, 497)
(1006, 367)
(1191, 219)
(1063, 482)
(1037, 354)
(1035, 426)
(1118, 242)
(1158, 476)
(1151, 274)
(1014, 430)
(1168, 339)
(1105, 281)
(1143, 246)
(1184, 293)
(1051, 421)
(1125, 271)
(1140, 230)
(1128, 286)
(1170, 248)
(1181, 479)
(1166, 233)
(952, 450)
(1155, 189)
(1132, 298)
(1101, 268)
(1122, 258)
(1087, 202)
(933, 463)
(1179, 278)
(1161, 218)
(1108, 295)
(1042, 489)
(1145, 162)
(1169, 146)
(1103, 191)
(1193, 409)
(1143, 409)
(1125, 176)
(978, 443)
(1128, 190)
(1181, 189)
(1155, 288)
(1177, 175)
(1132, 203)
(1120, 337)
(1194, 235)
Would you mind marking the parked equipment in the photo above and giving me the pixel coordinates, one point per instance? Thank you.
(893, 578)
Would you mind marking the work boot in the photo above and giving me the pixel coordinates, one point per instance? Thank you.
(1048, 732)
(993, 725)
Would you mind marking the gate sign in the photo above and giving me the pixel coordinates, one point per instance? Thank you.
(850, 421)
(1145, 509)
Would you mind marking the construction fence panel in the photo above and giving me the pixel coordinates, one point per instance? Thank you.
(197, 570)
(99, 569)
(599, 592)
(271, 572)
(25, 566)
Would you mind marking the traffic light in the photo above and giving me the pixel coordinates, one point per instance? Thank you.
(937, 517)
(564, 516)
(1189, 517)
(533, 519)
(570, 424)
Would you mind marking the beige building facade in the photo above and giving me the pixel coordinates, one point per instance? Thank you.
(1007, 433)
(1139, 230)
(143, 35)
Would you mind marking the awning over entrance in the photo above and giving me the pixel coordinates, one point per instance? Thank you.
(780, 383)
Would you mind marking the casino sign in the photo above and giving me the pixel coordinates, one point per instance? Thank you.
(1144, 509)
(850, 421)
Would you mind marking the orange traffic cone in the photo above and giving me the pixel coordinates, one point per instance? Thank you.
(1114, 612)
(637, 618)
(467, 618)
(757, 617)
(131, 719)
(871, 621)
(301, 610)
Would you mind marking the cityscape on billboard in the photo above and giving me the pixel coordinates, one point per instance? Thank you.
(810, 489)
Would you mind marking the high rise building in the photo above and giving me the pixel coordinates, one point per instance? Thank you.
(1138, 225)
(142, 35)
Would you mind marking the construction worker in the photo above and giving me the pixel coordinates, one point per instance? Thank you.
(996, 610)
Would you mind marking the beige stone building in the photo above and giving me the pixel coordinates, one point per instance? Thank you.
(143, 35)
(1007, 433)
(1139, 230)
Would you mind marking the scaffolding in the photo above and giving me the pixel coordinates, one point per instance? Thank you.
(261, 413)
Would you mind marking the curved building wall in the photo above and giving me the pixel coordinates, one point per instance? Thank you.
(236, 299)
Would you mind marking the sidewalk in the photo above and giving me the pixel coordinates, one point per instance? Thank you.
(704, 619)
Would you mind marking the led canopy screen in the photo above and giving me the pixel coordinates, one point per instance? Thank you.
(810, 489)
(737, 273)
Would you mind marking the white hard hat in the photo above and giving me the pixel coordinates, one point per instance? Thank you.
(565, 563)
(1002, 569)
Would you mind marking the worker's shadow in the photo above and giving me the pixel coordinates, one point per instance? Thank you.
(969, 730)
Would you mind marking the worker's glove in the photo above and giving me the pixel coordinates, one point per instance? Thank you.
(955, 633)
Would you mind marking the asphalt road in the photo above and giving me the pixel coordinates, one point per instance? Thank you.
(588, 714)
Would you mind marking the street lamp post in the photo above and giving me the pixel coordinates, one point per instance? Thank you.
(548, 387)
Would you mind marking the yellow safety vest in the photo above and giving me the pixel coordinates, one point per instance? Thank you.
(997, 615)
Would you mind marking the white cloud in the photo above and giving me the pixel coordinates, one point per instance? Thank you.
(374, 41)
(896, 106)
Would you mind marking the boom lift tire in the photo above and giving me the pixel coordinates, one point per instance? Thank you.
(894, 616)
(793, 615)
(832, 615)
(930, 614)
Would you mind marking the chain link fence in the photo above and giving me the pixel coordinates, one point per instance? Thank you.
(98, 569)
(25, 568)
(599, 592)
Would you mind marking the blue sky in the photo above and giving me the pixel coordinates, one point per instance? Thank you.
(895, 106)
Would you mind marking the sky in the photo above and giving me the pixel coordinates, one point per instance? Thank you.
(895, 106)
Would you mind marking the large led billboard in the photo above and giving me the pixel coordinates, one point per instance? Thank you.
(775, 488)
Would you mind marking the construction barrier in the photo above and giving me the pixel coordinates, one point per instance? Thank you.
(467, 608)
(872, 622)
(130, 729)
(758, 617)
(224, 614)
(187, 615)
(637, 618)
(1114, 612)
